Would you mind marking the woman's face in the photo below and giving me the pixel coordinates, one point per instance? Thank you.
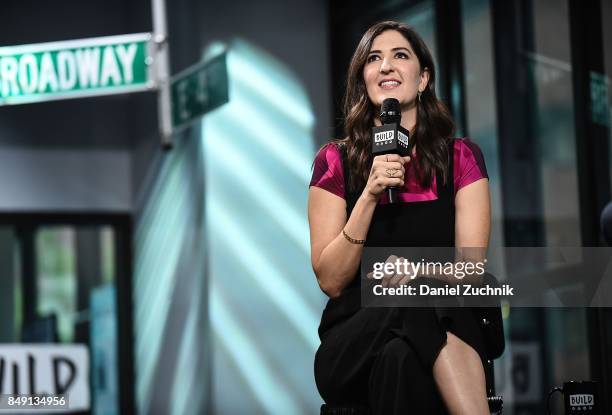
(392, 70)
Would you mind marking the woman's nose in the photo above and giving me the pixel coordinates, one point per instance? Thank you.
(386, 66)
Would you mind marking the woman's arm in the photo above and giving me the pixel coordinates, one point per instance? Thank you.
(335, 259)
(473, 218)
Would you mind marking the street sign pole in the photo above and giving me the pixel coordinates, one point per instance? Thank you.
(162, 61)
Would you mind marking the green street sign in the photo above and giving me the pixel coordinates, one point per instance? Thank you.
(76, 68)
(197, 90)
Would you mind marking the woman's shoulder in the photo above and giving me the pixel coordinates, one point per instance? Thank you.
(331, 149)
(465, 144)
(469, 162)
(327, 168)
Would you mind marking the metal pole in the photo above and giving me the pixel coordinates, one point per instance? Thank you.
(162, 59)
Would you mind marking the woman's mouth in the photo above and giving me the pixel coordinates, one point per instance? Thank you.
(389, 84)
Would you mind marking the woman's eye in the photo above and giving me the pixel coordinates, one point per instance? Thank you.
(372, 58)
(401, 55)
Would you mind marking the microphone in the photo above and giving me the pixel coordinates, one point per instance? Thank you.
(391, 137)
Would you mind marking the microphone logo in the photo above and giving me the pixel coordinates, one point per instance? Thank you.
(583, 399)
(402, 138)
(383, 137)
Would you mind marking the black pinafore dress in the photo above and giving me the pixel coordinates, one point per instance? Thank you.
(352, 337)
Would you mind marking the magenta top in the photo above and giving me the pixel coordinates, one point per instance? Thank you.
(468, 166)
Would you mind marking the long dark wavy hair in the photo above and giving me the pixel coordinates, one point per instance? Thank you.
(434, 125)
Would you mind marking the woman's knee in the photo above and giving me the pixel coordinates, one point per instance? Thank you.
(456, 345)
(457, 354)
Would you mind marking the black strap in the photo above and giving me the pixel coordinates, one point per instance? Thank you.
(345, 170)
(446, 190)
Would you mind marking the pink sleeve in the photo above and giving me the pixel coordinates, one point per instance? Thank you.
(469, 164)
(327, 170)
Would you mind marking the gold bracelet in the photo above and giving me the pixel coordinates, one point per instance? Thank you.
(351, 240)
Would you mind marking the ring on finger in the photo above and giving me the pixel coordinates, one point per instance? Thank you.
(391, 172)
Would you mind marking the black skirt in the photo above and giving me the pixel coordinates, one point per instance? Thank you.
(383, 357)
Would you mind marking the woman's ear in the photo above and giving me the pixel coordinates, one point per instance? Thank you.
(424, 79)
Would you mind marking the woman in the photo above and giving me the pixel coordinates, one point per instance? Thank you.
(396, 360)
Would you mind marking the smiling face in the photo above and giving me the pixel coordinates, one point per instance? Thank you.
(392, 70)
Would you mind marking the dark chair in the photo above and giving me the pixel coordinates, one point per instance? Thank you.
(327, 409)
(495, 402)
(605, 221)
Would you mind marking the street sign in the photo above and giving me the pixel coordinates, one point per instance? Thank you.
(76, 68)
(197, 90)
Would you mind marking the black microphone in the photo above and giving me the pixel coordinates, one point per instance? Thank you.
(391, 137)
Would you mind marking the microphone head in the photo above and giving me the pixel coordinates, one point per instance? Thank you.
(390, 111)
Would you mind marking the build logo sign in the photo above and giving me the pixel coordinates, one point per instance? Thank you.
(72, 69)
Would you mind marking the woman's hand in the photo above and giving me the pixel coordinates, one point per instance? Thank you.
(387, 171)
(401, 275)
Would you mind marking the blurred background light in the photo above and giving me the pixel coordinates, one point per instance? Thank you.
(222, 248)
(265, 302)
